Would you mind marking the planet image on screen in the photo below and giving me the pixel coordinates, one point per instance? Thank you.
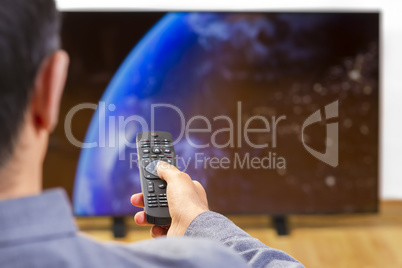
(205, 64)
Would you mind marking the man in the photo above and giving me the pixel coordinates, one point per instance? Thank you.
(37, 229)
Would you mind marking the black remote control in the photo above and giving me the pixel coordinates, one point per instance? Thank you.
(152, 147)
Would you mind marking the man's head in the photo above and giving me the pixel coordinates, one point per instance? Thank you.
(32, 76)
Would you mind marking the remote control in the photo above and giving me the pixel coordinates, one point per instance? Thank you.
(152, 147)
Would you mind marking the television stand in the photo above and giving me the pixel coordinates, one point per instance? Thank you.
(280, 225)
(119, 227)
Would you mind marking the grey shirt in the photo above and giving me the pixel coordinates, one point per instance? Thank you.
(40, 231)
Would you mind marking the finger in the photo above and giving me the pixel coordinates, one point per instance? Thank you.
(157, 231)
(166, 171)
(137, 200)
(141, 219)
(170, 173)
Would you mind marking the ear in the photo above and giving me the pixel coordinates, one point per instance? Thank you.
(48, 89)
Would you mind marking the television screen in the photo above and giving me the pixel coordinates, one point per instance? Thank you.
(274, 112)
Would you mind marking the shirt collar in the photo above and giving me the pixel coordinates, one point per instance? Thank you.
(47, 214)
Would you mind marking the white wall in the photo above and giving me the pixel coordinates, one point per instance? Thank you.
(391, 140)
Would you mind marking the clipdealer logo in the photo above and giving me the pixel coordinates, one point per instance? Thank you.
(112, 136)
(330, 156)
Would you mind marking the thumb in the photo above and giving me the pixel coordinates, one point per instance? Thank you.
(170, 173)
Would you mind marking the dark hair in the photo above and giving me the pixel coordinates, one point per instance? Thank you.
(29, 32)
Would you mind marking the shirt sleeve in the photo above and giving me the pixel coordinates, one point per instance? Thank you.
(216, 227)
(173, 252)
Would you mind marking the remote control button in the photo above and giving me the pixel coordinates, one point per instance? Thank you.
(152, 202)
(161, 156)
(154, 156)
(156, 151)
(165, 140)
(154, 135)
(152, 205)
(162, 185)
(162, 198)
(145, 140)
(169, 156)
(151, 168)
(167, 151)
(162, 195)
(145, 162)
(151, 187)
(151, 198)
(145, 146)
(162, 201)
(151, 177)
(163, 205)
(145, 156)
(145, 151)
(169, 161)
(151, 195)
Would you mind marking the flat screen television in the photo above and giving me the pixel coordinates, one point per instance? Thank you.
(273, 112)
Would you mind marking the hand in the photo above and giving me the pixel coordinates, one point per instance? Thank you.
(186, 198)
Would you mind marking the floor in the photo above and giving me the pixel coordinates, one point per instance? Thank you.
(365, 240)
